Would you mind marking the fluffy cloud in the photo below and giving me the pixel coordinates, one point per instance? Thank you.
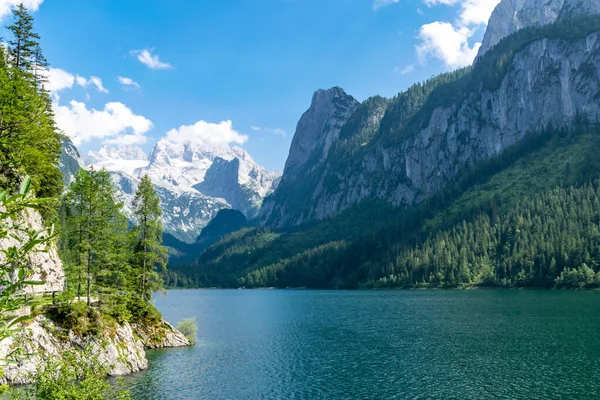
(476, 12)
(448, 41)
(128, 82)
(206, 133)
(6, 5)
(382, 3)
(59, 79)
(150, 60)
(116, 122)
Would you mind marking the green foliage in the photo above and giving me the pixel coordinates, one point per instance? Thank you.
(29, 142)
(15, 271)
(143, 311)
(189, 329)
(75, 316)
(94, 237)
(77, 376)
(148, 254)
(545, 240)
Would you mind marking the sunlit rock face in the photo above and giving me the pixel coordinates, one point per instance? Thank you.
(548, 82)
(513, 15)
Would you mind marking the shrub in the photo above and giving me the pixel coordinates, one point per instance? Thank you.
(189, 328)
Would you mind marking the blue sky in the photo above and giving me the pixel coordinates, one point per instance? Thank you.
(187, 66)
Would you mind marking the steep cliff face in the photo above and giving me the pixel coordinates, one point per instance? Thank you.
(513, 15)
(242, 185)
(46, 264)
(318, 129)
(70, 161)
(547, 82)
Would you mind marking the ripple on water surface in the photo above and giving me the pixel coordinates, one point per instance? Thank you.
(271, 344)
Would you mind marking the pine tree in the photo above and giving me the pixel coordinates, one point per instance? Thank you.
(96, 235)
(29, 141)
(25, 43)
(149, 254)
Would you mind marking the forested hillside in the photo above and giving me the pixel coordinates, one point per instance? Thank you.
(503, 223)
(478, 228)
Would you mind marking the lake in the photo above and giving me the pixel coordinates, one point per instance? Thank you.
(288, 344)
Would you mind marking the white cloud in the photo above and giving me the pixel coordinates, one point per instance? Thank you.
(475, 12)
(448, 41)
(272, 131)
(128, 82)
(94, 80)
(150, 60)
(206, 133)
(115, 122)
(81, 81)
(377, 4)
(58, 80)
(6, 5)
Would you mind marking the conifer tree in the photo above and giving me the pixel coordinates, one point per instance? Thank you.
(25, 43)
(96, 233)
(29, 141)
(149, 254)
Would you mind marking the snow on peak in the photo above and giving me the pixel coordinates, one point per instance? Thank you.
(127, 159)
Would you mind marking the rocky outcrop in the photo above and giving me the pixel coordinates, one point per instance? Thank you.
(512, 15)
(318, 129)
(47, 266)
(121, 352)
(161, 336)
(120, 348)
(548, 82)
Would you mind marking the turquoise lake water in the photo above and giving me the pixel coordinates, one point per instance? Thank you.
(287, 344)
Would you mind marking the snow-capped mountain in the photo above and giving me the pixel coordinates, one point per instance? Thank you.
(127, 159)
(190, 180)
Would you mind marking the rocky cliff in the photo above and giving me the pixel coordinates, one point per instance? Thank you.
(121, 348)
(70, 161)
(513, 15)
(528, 82)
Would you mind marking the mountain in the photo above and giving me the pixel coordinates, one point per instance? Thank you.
(128, 159)
(406, 149)
(488, 175)
(513, 15)
(193, 181)
(70, 161)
